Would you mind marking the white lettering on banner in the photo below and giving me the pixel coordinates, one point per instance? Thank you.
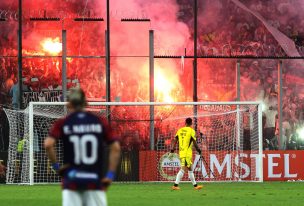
(48, 96)
(271, 165)
(246, 169)
(202, 167)
(225, 166)
(257, 168)
(244, 166)
(220, 167)
(196, 159)
(171, 164)
(215, 108)
(286, 167)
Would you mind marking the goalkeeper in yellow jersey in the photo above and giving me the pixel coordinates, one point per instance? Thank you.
(186, 138)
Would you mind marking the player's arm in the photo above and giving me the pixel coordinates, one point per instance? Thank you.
(49, 145)
(50, 142)
(114, 153)
(196, 146)
(173, 144)
(114, 156)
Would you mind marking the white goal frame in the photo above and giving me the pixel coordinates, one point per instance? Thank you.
(31, 123)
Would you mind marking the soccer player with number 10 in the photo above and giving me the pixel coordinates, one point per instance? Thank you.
(83, 135)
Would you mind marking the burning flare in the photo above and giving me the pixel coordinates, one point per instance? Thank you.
(164, 87)
(52, 46)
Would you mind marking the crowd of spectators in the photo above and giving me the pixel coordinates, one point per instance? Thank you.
(236, 32)
(241, 34)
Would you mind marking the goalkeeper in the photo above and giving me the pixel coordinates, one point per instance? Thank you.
(185, 137)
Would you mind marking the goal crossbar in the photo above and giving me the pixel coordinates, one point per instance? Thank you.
(151, 103)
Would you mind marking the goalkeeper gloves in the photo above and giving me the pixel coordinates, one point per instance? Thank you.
(56, 166)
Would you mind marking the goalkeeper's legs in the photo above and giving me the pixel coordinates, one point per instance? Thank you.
(179, 176)
(192, 178)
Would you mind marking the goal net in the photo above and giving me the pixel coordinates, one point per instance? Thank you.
(229, 135)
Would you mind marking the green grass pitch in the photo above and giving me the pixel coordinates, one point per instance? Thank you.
(159, 194)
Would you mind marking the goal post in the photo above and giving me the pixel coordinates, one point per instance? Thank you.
(31, 143)
(260, 127)
(229, 134)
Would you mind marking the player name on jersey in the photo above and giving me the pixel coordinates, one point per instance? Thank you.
(216, 108)
(82, 128)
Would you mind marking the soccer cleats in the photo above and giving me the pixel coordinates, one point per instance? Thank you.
(198, 187)
(175, 188)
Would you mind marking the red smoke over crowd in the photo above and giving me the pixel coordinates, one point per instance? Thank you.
(225, 28)
(87, 39)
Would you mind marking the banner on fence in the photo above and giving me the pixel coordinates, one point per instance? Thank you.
(277, 166)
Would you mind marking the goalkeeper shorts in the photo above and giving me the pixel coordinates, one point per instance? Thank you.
(186, 161)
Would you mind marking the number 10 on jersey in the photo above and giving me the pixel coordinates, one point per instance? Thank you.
(81, 145)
